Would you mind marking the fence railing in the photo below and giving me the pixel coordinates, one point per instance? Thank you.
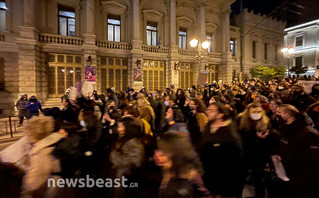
(58, 39)
(8, 125)
(114, 45)
(155, 49)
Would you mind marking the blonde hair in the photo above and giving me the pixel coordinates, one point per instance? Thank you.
(245, 121)
(143, 102)
(39, 127)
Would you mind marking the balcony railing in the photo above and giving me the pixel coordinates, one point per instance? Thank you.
(187, 52)
(114, 45)
(155, 49)
(58, 39)
(214, 55)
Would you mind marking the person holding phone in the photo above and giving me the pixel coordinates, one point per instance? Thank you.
(256, 132)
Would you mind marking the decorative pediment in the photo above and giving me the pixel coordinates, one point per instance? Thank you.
(152, 15)
(254, 36)
(210, 27)
(113, 7)
(184, 21)
(266, 39)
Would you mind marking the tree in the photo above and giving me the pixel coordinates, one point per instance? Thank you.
(267, 73)
(299, 69)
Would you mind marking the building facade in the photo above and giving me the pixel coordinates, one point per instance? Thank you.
(45, 45)
(263, 39)
(304, 38)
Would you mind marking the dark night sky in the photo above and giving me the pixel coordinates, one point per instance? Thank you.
(293, 11)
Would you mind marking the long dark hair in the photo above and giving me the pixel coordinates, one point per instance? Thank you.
(180, 151)
(201, 107)
(132, 129)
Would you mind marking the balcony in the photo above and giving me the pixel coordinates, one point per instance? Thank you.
(155, 49)
(187, 52)
(114, 45)
(58, 39)
(214, 55)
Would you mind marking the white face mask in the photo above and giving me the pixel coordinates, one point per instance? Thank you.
(166, 103)
(255, 116)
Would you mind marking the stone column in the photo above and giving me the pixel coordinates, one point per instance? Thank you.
(172, 22)
(225, 70)
(173, 75)
(90, 10)
(28, 18)
(136, 42)
(202, 23)
(89, 47)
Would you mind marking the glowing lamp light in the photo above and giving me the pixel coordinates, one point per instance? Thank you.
(291, 50)
(205, 45)
(284, 50)
(194, 43)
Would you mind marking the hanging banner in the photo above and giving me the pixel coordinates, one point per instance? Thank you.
(90, 74)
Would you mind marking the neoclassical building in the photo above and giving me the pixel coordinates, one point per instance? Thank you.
(45, 45)
(304, 38)
(262, 44)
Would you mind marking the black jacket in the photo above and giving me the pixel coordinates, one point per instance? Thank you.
(222, 158)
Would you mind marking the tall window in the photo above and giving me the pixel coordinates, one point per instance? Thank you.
(233, 47)
(299, 41)
(266, 51)
(253, 49)
(66, 21)
(151, 33)
(298, 61)
(3, 9)
(114, 28)
(182, 38)
(209, 38)
(276, 52)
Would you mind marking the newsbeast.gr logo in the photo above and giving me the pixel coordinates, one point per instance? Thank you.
(88, 182)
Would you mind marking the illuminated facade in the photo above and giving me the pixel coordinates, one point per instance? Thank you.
(304, 38)
(132, 43)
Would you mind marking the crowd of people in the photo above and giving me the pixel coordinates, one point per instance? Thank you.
(208, 141)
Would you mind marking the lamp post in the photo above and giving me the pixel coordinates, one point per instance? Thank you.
(287, 52)
(200, 48)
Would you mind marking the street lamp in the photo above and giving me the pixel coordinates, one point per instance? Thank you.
(199, 47)
(287, 52)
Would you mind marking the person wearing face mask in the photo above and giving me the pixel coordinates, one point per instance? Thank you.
(300, 99)
(256, 132)
(298, 152)
(196, 120)
(282, 92)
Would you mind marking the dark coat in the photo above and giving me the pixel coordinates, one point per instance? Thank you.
(34, 108)
(221, 154)
(299, 150)
(301, 102)
(159, 110)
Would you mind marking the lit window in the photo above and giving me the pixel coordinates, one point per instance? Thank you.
(209, 38)
(182, 39)
(151, 33)
(3, 9)
(114, 28)
(66, 21)
(233, 47)
(266, 51)
(299, 41)
(253, 50)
